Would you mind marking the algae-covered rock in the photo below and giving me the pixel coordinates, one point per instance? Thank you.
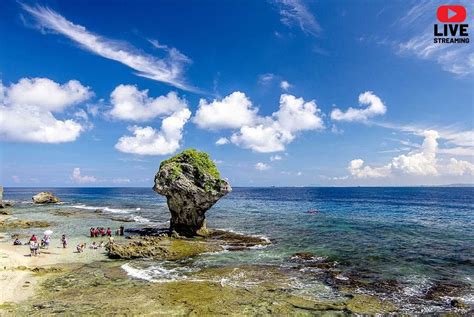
(159, 248)
(45, 198)
(102, 288)
(192, 185)
(176, 248)
(23, 224)
(367, 304)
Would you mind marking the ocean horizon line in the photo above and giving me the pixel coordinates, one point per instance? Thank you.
(267, 187)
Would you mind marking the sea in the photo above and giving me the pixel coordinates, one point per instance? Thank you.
(417, 238)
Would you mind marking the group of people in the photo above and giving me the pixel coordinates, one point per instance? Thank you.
(102, 232)
(35, 246)
(94, 245)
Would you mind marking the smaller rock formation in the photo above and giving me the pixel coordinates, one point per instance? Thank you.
(23, 224)
(163, 247)
(45, 198)
(192, 185)
(160, 248)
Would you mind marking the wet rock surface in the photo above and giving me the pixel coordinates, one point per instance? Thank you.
(45, 198)
(250, 290)
(163, 247)
(159, 248)
(192, 185)
(23, 224)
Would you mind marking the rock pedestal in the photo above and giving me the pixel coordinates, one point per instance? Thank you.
(192, 184)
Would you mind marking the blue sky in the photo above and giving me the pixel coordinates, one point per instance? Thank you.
(294, 93)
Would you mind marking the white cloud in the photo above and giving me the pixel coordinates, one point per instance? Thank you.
(262, 166)
(231, 112)
(285, 85)
(275, 158)
(420, 162)
(357, 169)
(261, 134)
(81, 114)
(149, 141)
(167, 70)
(129, 103)
(459, 167)
(294, 12)
(375, 107)
(260, 138)
(222, 141)
(46, 94)
(265, 79)
(26, 110)
(297, 115)
(81, 179)
(16, 179)
(273, 133)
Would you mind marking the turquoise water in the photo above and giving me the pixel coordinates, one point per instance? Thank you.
(414, 238)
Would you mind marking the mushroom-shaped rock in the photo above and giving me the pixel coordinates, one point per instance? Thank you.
(192, 184)
(45, 198)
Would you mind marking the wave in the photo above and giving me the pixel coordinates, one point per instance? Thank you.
(141, 219)
(159, 273)
(107, 209)
(264, 238)
(417, 285)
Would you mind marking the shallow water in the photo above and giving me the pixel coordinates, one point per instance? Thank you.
(416, 236)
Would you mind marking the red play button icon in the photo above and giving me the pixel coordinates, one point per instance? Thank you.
(451, 14)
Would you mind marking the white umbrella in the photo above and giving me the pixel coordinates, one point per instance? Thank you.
(48, 232)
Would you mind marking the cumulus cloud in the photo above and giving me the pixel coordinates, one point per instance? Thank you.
(222, 141)
(129, 103)
(274, 132)
(375, 107)
(149, 141)
(260, 138)
(262, 166)
(260, 134)
(231, 112)
(167, 70)
(26, 110)
(421, 162)
(357, 169)
(459, 167)
(285, 85)
(81, 179)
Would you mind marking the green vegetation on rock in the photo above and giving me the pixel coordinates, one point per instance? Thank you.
(200, 160)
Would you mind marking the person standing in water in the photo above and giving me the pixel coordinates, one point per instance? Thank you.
(64, 241)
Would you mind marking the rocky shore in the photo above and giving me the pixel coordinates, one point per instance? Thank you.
(114, 280)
